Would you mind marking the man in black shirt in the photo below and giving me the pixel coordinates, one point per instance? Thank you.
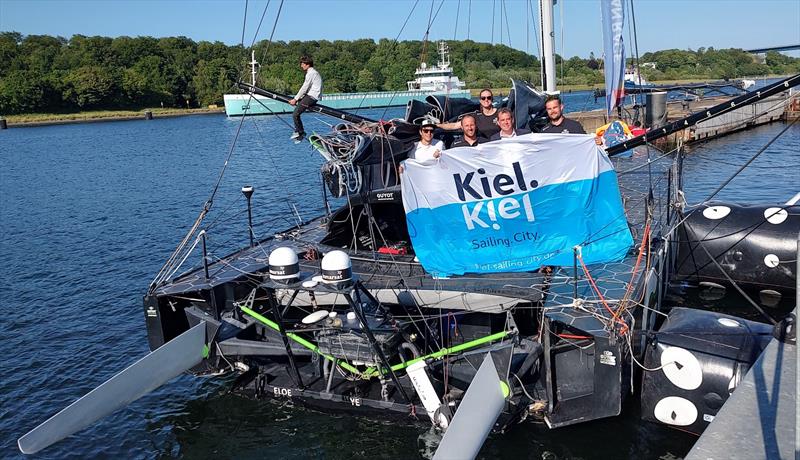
(557, 122)
(471, 138)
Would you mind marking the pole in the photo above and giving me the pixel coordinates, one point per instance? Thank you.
(365, 327)
(276, 310)
(247, 191)
(548, 45)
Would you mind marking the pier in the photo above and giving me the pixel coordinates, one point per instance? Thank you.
(783, 106)
(760, 418)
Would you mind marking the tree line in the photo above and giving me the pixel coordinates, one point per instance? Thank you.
(41, 73)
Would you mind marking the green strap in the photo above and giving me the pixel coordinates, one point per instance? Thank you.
(300, 340)
(372, 372)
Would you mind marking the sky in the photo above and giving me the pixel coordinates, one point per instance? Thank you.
(660, 24)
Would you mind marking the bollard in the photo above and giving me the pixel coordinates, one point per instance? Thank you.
(3, 124)
(148, 115)
(655, 112)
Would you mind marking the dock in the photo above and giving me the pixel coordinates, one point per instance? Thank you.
(759, 420)
(783, 106)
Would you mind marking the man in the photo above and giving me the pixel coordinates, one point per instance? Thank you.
(557, 122)
(470, 138)
(485, 117)
(307, 96)
(427, 148)
(505, 120)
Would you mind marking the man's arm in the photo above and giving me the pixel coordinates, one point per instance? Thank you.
(449, 126)
(304, 89)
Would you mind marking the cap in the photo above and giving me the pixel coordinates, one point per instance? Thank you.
(429, 120)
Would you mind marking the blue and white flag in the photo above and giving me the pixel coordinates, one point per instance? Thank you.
(515, 205)
(614, 50)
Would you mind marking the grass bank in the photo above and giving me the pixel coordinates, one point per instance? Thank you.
(34, 119)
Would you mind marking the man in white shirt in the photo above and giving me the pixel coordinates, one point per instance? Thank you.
(427, 148)
(505, 120)
(307, 96)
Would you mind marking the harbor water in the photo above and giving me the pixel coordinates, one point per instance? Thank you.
(89, 212)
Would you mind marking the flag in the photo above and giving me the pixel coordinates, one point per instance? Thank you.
(515, 205)
(614, 49)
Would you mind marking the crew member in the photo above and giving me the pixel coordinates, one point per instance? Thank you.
(557, 122)
(307, 96)
(427, 148)
(470, 138)
(485, 117)
(505, 120)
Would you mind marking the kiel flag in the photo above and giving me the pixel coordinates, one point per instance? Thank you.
(515, 205)
(614, 50)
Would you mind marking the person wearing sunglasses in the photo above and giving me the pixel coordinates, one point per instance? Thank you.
(485, 117)
(427, 148)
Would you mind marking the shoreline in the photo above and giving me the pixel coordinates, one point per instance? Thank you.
(19, 121)
(99, 117)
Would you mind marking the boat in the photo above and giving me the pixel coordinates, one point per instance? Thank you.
(430, 80)
(352, 312)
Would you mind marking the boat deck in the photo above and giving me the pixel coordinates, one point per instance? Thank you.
(636, 180)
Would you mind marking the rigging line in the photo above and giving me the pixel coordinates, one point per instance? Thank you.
(272, 33)
(258, 28)
(635, 43)
(244, 21)
(535, 32)
(493, 6)
(750, 119)
(455, 30)
(469, 17)
(394, 44)
(561, 20)
(241, 74)
(206, 207)
(735, 285)
(750, 229)
(274, 165)
(752, 159)
(508, 29)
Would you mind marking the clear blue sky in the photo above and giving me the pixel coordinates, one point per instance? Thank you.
(660, 24)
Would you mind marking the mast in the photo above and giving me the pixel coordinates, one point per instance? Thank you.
(253, 67)
(548, 45)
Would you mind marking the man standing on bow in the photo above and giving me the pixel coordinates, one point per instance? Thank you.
(307, 96)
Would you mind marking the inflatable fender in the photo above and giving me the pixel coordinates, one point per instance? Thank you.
(756, 245)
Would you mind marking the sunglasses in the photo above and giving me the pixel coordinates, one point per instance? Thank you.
(427, 130)
(486, 98)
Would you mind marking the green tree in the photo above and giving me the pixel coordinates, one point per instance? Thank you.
(91, 87)
(366, 81)
(21, 91)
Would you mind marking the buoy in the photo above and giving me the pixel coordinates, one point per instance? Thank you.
(283, 265)
(337, 269)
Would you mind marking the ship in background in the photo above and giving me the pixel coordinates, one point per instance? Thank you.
(430, 80)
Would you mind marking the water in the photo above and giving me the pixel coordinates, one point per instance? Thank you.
(89, 212)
